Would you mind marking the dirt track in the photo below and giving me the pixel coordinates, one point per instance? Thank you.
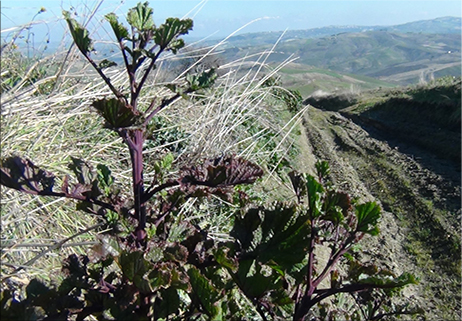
(419, 194)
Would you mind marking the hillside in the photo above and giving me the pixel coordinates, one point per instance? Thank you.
(401, 148)
(440, 25)
(400, 58)
(337, 58)
(309, 79)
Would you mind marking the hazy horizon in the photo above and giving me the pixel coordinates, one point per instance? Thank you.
(219, 18)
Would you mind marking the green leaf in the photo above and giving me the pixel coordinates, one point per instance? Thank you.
(116, 113)
(244, 227)
(336, 206)
(223, 260)
(120, 31)
(390, 283)
(142, 283)
(106, 64)
(176, 252)
(176, 45)
(284, 237)
(83, 171)
(322, 169)
(315, 191)
(140, 17)
(165, 35)
(133, 264)
(205, 292)
(167, 161)
(169, 304)
(334, 215)
(257, 285)
(161, 276)
(79, 34)
(202, 81)
(178, 280)
(276, 267)
(277, 237)
(368, 215)
(280, 297)
(104, 177)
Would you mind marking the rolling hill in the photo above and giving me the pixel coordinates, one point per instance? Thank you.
(395, 55)
(388, 56)
(443, 25)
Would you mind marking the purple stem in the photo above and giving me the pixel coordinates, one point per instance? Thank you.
(75, 197)
(136, 155)
(117, 93)
(333, 260)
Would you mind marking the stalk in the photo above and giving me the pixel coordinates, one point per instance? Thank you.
(306, 303)
(136, 156)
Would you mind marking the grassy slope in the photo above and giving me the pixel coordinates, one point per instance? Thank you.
(427, 116)
(308, 80)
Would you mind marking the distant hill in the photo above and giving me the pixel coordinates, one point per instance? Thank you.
(444, 25)
(451, 25)
(389, 56)
(402, 54)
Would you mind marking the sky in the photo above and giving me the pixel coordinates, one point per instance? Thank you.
(220, 18)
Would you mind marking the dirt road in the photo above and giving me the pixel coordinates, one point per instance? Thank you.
(419, 194)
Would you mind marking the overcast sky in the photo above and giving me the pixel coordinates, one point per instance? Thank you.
(219, 18)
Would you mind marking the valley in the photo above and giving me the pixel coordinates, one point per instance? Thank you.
(356, 58)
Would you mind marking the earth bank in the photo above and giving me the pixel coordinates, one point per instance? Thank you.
(399, 160)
